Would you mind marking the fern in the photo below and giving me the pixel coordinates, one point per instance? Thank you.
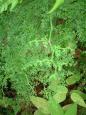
(37, 48)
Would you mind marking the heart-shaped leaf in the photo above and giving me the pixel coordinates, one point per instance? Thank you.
(60, 93)
(54, 84)
(73, 79)
(83, 95)
(78, 99)
(40, 103)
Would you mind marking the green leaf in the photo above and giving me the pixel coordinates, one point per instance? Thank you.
(54, 84)
(56, 5)
(73, 79)
(55, 108)
(71, 110)
(83, 95)
(40, 103)
(38, 112)
(78, 99)
(60, 94)
(14, 3)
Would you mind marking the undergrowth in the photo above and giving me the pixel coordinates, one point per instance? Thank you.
(37, 48)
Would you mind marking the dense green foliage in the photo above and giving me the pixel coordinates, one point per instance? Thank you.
(41, 49)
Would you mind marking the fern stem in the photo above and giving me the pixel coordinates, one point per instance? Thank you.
(50, 36)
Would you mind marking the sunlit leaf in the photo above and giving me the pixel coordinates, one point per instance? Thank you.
(78, 99)
(71, 110)
(56, 5)
(55, 108)
(73, 79)
(60, 93)
(83, 95)
(38, 112)
(40, 103)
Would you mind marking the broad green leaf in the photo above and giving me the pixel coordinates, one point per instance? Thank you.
(60, 94)
(71, 110)
(83, 95)
(40, 103)
(56, 5)
(73, 79)
(54, 84)
(38, 112)
(55, 108)
(78, 99)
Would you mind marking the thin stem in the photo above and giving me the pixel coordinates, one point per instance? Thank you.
(50, 36)
(51, 29)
